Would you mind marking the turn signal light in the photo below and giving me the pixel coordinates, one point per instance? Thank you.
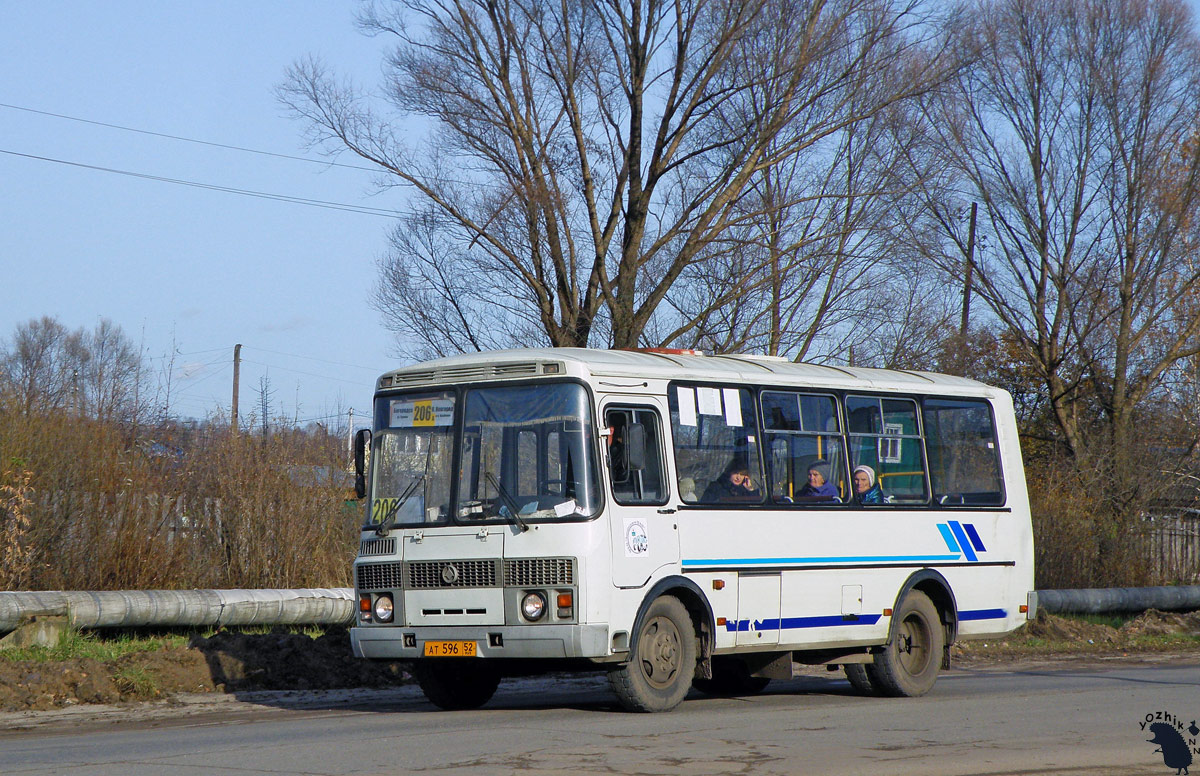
(364, 603)
(1023, 609)
(718, 584)
(565, 600)
(887, 612)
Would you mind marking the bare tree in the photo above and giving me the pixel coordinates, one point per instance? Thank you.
(1071, 132)
(35, 369)
(821, 265)
(99, 373)
(586, 154)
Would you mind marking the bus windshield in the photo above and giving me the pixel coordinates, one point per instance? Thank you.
(527, 451)
(413, 459)
(524, 452)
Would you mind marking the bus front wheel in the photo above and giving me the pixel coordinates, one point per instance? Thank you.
(456, 684)
(659, 673)
(908, 664)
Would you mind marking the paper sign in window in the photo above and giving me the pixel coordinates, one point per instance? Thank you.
(687, 406)
(733, 406)
(709, 400)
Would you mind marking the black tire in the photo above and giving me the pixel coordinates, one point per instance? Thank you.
(859, 680)
(908, 664)
(730, 678)
(660, 670)
(455, 685)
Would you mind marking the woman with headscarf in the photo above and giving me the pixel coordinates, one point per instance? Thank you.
(734, 484)
(866, 490)
(818, 485)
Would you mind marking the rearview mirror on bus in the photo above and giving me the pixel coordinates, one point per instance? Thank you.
(362, 444)
(636, 446)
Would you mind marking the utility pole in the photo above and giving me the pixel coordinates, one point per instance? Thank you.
(350, 435)
(237, 370)
(966, 304)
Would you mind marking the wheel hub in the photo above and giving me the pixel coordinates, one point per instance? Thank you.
(660, 652)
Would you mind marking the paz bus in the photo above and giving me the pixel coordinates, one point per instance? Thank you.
(563, 508)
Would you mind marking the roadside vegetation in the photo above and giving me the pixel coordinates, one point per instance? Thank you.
(103, 488)
(1087, 635)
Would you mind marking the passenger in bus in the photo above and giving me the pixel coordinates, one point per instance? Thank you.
(819, 486)
(617, 454)
(866, 490)
(734, 484)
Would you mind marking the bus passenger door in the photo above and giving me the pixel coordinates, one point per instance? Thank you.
(643, 537)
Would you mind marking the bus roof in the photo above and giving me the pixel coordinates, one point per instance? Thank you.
(515, 364)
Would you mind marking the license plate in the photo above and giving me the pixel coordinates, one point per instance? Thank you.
(449, 649)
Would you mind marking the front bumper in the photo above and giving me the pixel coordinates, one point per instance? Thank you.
(543, 641)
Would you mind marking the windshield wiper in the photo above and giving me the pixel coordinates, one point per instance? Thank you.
(508, 501)
(385, 524)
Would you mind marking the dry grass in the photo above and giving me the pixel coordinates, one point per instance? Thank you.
(101, 506)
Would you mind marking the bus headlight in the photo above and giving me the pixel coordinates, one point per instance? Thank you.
(384, 608)
(533, 606)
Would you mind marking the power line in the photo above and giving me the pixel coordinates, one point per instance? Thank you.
(299, 372)
(370, 211)
(313, 358)
(189, 139)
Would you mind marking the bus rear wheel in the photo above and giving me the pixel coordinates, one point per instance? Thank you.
(908, 664)
(857, 674)
(455, 685)
(659, 673)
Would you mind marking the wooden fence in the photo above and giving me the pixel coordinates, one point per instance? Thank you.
(1172, 546)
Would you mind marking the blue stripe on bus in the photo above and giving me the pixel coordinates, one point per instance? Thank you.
(976, 542)
(790, 623)
(837, 620)
(693, 562)
(948, 537)
(981, 614)
(963, 541)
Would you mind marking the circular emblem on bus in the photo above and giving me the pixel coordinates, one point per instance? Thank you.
(449, 573)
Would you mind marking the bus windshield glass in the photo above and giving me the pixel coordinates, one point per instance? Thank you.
(527, 453)
(413, 456)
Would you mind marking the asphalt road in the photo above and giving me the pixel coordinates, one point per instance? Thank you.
(1045, 719)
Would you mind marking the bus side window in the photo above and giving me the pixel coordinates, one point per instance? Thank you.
(635, 481)
(714, 429)
(885, 435)
(802, 435)
(964, 457)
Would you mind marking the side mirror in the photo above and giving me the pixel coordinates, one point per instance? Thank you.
(362, 446)
(635, 449)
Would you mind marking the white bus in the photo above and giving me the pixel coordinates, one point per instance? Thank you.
(683, 520)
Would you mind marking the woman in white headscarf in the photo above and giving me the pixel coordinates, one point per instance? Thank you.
(866, 490)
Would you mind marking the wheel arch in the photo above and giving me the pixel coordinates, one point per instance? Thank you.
(698, 607)
(934, 585)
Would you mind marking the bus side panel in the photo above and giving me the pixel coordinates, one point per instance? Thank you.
(840, 569)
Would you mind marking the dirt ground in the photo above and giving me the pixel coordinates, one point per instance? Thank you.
(231, 662)
(225, 662)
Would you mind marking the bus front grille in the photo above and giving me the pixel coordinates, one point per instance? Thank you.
(528, 572)
(378, 576)
(451, 573)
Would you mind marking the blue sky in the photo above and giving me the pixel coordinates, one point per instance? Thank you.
(178, 264)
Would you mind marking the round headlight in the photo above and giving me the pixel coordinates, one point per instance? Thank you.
(383, 608)
(533, 606)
